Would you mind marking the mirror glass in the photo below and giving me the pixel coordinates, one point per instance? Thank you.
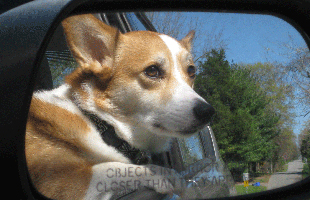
(191, 149)
(253, 70)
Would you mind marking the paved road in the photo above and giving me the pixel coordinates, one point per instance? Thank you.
(292, 175)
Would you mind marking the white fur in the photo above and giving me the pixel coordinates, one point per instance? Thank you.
(174, 117)
(89, 104)
(135, 130)
(58, 97)
(175, 48)
(99, 150)
(181, 104)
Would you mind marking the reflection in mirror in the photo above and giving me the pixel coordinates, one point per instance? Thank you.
(191, 149)
(254, 69)
(132, 113)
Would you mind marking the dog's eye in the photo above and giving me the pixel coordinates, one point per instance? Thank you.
(153, 71)
(191, 70)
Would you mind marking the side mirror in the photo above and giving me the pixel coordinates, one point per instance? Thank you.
(25, 33)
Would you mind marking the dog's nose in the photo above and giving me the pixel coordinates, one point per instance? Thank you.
(203, 111)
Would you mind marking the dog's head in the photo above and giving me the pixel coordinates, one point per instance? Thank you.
(141, 82)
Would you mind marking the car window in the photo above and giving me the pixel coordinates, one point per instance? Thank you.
(191, 149)
(209, 143)
(58, 55)
(61, 64)
(135, 22)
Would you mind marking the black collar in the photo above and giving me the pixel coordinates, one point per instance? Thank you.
(109, 137)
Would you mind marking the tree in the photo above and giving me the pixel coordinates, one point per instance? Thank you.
(244, 128)
(61, 64)
(304, 141)
(305, 146)
(286, 148)
(281, 94)
(278, 89)
(297, 71)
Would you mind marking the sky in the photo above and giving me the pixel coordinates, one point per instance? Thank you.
(254, 38)
(250, 37)
(257, 38)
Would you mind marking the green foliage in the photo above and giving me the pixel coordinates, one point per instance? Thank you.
(306, 170)
(305, 146)
(281, 95)
(277, 88)
(285, 148)
(241, 190)
(304, 142)
(248, 115)
(61, 64)
(60, 69)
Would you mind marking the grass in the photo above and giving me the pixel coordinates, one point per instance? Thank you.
(262, 179)
(306, 171)
(283, 168)
(241, 190)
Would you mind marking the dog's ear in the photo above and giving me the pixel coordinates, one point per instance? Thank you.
(188, 39)
(91, 41)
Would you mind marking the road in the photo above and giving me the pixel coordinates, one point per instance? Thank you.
(292, 175)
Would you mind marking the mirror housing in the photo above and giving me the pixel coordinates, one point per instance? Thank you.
(25, 33)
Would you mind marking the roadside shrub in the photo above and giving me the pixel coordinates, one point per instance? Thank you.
(306, 169)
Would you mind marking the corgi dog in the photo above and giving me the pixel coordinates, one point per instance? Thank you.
(130, 95)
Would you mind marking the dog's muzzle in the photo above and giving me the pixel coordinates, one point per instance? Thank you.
(203, 111)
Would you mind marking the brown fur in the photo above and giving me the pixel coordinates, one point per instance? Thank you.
(58, 160)
(54, 151)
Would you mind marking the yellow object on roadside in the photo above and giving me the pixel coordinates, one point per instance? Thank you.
(246, 183)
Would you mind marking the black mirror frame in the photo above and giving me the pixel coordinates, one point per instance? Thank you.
(25, 32)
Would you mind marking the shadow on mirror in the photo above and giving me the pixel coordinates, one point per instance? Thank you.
(170, 105)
